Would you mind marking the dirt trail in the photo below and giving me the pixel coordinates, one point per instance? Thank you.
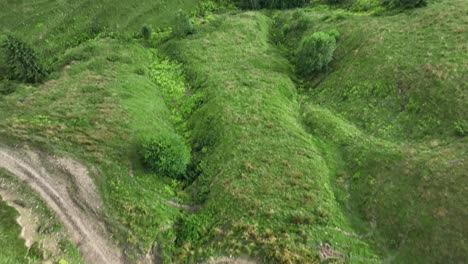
(68, 190)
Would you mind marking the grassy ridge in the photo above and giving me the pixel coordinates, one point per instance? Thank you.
(392, 89)
(265, 186)
(401, 76)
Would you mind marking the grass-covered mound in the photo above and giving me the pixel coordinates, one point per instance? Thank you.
(263, 182)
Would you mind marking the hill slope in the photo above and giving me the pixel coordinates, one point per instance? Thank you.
(364, 162)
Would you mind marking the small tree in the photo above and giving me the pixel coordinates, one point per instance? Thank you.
(315, 53)
(146, 32)
(166, 154)
(182, 25)
(23, 63)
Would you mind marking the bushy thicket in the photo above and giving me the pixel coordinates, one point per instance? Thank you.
(146, 32)
(182, 24)
(315, 52)
(166, 154)
(289, 28)
(404, 3)
(22, 62)
(280, 4)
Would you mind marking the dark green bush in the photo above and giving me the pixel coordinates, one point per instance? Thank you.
(166, 154)
(146, 32)
(315, 53)
(404, 3)
(335, 1)
(182, 24)
(289, 29)
(22, 62)
(7, 87)
(279, 4)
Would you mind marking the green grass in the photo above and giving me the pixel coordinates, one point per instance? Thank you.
(410, 95)
(265, 187)
(400, 76)
(55, 26)
(13, 248)
(48, 226)
(97, 110)
(368, 157)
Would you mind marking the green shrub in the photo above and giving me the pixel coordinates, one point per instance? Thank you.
(23, 63)
(182, 24)
(404, 3)
(7, 87)
(334, 33)
(315, 53)
(166, 154)
(146, 32)
(279, 4)
(334, 1)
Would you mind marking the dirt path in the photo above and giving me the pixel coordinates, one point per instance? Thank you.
(67, 189)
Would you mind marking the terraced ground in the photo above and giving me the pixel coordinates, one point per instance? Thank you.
(364, 162)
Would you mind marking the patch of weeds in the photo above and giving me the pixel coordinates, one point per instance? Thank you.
(461, 127)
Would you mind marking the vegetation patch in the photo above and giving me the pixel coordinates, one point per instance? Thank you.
(166, 154)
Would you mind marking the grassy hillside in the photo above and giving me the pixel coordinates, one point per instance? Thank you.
(97, 110)
(54, 26)
(400, 76)
(413, 96)
(363, 162)
(265, 186)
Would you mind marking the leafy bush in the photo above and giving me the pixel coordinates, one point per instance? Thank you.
(166, 154)
(146, 32)
(315, 52)
(182, 25)
(23, 63)
(334, 33)
(280, 4)
(334, 1)
(404, 3)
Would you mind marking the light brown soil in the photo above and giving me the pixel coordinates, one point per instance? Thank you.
(68, 190)
(229, 260)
